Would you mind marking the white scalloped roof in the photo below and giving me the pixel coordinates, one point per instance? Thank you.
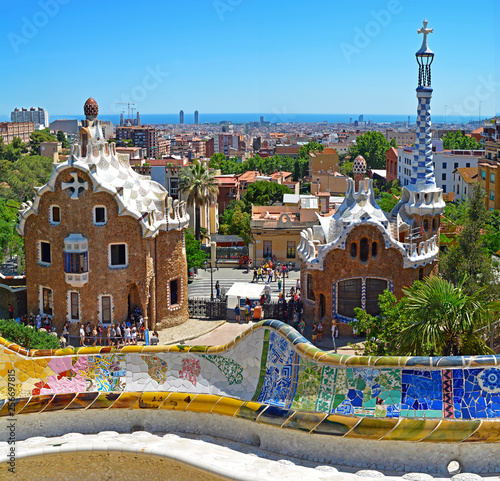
(136, 195)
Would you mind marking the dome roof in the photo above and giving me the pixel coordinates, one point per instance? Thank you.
(359, 165)
(91, 107)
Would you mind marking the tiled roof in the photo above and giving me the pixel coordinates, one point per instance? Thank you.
(469, 174)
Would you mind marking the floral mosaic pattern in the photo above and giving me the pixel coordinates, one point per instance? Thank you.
(231, 369)
(190, 370)
(476, 393)
(157, 368)
(307, 385)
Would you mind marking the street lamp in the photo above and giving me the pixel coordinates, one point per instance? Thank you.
(212, 268)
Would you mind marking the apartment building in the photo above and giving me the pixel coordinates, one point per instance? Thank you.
(403, 138)
(146, 137)
(23, 130)
(39, 117)
(488, 170)
(445, 163)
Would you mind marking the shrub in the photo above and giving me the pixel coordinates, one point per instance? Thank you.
(27, 337)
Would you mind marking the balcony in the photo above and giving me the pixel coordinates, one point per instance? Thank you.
(76, 280)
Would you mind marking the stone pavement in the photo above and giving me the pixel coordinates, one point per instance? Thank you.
(214, 333)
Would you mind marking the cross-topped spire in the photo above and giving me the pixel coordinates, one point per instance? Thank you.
(424, 49)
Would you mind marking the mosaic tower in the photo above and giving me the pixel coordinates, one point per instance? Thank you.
(422, 199)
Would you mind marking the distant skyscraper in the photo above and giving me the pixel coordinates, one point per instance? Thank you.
(261, 118)
(138, 118)
(40, 117)
(361, 118)
(181, 117)
(121, 119)
(408, 121)
(196, 117)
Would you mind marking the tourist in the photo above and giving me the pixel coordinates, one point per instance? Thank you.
(295, 319)
(269, 275)
(127, 334)
(255, 275)
(100, 332)
(133, 336)
(118, 332)
(94, 335)
(108, 334)
(237, 312)
(82, 335)
(302, 326)
(11, 311)
(297, 286)
(142, 329)
(155, 338)
(38, 322)
(279, 283)
(87, 332)
(267, 291)
(248, 310)
(217, 288)
(113, 334)
(65, 332)
(320, 331)
(315, 333)
(46, 323)
(24, 320)
(260, 273)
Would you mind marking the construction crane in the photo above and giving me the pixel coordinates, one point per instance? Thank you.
(128, 104)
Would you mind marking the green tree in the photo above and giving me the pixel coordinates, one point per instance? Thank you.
(383, 331)
(194, 254)
(61, 137)
(373, 147)
(236, 221)
(10, 242)
(388, 200)
(444, 317)
(457, 140)
(24, 174)
(346, 168)
(200, 186)
(263, 192)
(216, 160)
(469, 257)
(40, 136)
(312, 146)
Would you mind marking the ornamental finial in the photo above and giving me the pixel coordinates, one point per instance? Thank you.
(424, 48)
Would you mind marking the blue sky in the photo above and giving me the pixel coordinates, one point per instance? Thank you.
(262, 56)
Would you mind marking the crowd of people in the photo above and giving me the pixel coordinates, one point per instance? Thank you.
(272, 270)
(38, 322)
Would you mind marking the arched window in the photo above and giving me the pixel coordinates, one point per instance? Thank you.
(374, 287)
(354, 250)
(374, 249)
(363, 249)
(426, 225)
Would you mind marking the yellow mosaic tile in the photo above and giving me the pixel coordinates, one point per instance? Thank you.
(177, 401)
(487, 432)
(412, 430)
(370, 428)
(203, 403)
(453, 431)
(151, 400)
(227, 406)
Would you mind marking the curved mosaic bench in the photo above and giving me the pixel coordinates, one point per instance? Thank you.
(269, 374)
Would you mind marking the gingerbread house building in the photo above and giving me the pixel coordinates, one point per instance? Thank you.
(101, 240)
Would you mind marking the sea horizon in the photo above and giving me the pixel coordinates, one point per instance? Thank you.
(273, 118)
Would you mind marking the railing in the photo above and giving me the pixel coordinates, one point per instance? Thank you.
(207, 309)
(274, 224)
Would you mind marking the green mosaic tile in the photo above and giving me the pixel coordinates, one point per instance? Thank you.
(327, 389)
(307, 385)
(263, 363)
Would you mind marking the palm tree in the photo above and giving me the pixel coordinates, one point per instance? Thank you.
(199, 184)
(443, 317)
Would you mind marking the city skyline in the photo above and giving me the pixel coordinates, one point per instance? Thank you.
(329, 59)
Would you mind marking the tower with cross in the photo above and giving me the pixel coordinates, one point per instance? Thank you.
(422, 201)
